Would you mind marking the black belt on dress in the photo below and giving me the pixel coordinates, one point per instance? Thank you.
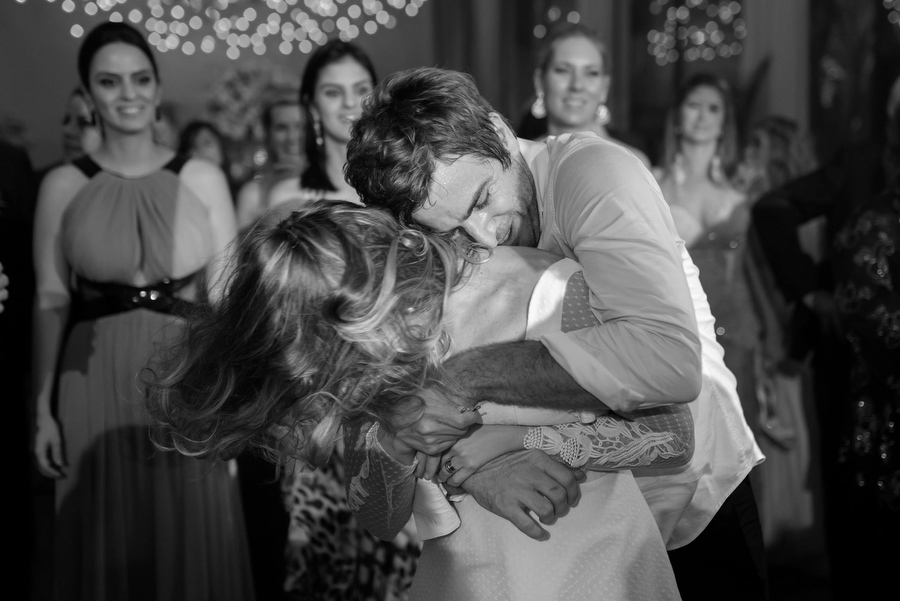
(94, 300)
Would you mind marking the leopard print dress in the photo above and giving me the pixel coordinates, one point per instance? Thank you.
(330, 556)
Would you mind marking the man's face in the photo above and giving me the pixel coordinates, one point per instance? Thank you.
(493, 205)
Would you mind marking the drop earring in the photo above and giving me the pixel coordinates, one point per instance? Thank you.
(538, 110)
(603, 115)
(317, 127)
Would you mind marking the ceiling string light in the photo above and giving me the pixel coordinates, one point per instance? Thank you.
(893, 8)
(552, 15)
(696, 30)
(245, 26)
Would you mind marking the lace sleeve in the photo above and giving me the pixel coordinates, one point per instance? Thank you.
(380, 490)
(661, 437)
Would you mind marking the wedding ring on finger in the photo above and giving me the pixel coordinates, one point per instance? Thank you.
(448, 465)
(465, 409)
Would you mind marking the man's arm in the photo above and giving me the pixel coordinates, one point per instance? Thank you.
(516, 373)
(778, 214)
(656, 438)
(609, 213)
(853, 174)
(639, 345)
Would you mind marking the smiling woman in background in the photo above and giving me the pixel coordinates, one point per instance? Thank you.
(336, 81)
(571, 85)
(712, 216)
(329, 555)
(122, 238)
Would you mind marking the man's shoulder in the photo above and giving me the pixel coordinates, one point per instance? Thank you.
(579, 150)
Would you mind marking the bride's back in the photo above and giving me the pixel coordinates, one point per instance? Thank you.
(491, 306)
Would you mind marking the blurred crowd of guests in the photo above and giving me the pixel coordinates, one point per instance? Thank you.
(796, 257)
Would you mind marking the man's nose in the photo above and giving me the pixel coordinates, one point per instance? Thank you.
(481, 228)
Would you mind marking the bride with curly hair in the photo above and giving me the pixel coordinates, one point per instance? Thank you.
(330, 323)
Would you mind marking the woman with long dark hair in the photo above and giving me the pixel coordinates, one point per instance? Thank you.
(336, 80)
(124, 238)
(712, 216)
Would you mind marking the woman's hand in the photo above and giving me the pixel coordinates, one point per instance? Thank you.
(439, 424)
(48, 448)
(481, 445)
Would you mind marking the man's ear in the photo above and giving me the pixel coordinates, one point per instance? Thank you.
(507, 135)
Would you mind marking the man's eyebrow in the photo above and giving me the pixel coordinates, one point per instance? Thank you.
(479, 193)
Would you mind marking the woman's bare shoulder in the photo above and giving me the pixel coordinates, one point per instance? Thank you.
(60, 186)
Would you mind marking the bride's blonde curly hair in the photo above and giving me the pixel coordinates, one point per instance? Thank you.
(329, 317)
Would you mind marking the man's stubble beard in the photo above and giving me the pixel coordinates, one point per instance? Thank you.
(529, 230)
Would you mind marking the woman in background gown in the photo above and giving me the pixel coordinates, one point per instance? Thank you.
(121, 238)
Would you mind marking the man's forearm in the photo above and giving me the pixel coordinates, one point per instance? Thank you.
(518, 373)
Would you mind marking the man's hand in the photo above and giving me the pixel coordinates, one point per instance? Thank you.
(523, 483)
(440, 423)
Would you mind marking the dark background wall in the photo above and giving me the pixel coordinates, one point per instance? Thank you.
(826, 63)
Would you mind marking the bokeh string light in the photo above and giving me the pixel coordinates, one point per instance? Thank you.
(555, 14)
(893, 8)
(245, 26)
(696, 30)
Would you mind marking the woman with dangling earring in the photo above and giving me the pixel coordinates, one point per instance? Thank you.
(712, 214)
(329, 555)
(125, 237)
(571, 85)
(338, 76)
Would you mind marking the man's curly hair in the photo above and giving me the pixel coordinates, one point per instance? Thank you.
(410, 121)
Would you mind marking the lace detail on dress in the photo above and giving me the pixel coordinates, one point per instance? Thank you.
(380, 489)
(356, 494)
(611, 443)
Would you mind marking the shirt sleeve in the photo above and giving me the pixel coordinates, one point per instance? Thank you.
(610, 213)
